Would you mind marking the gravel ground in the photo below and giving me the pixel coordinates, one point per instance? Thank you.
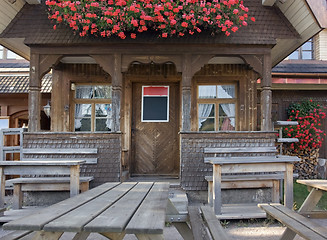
(236, 229)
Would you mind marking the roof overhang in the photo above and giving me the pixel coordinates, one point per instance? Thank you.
(8, 10)
(308, 17)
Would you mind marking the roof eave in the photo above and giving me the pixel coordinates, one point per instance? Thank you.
(308, 17)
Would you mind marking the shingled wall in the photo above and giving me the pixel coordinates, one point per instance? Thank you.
(108, 144)
(193, 168)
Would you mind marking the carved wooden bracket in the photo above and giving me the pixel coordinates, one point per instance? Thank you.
(255, 62)
(106, 62)
(46, 62)
(198, 61)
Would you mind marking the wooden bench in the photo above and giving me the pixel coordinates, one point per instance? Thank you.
(60, 154)
(38, 184)
(202, 218)
(255, 161)
(41, 183)
(271, 180)
(248, 181)
(295, 223)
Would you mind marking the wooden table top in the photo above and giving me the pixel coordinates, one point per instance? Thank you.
(133, 207)
(319, 184)
(42, 163)
(251, 159)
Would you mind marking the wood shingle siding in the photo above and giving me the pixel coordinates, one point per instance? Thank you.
(107, 168)
(194, 169)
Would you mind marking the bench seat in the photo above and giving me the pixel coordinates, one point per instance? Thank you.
(202, 218)
(43, 184)
(295, 222)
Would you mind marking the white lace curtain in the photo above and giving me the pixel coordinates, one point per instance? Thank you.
(222, 91)
(228, 91)
(81, 110)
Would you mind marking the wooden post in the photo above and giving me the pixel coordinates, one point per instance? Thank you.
(266, 94)
(18, 201)
(217, 189)
(34, 96)
(112, 65)
(186, 92)
(117, 82)
(74, 180)
(2, 187)
(288, 186)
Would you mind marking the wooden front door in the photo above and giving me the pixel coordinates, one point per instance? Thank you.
(155, 140)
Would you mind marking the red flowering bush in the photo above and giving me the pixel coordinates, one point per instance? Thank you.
(168, 17)
(309, 115)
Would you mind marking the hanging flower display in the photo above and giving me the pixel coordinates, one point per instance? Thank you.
(106, 18)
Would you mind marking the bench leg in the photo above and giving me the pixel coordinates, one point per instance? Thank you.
(2, 186)
(18, 196)
(81, 236)
(275, 191)
(210, 194)
(216, 189)
(288, 186)
(84, 186)
(149, 236)
(41, 235)
(114, 236)
(74, 180)
(288, 235)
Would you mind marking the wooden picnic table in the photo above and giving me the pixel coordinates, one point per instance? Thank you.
(67, 167)
(300, 223)
(252, 164)
(111, 209)
(316, 189)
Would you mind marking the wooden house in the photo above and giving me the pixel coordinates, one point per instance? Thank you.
(302, 76)
(150, 105)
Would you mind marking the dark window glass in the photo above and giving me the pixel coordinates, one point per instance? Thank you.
(155, 108)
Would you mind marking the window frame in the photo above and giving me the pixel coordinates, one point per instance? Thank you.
(142, 103)
(92, 102)
(300, 51)
(216, 102)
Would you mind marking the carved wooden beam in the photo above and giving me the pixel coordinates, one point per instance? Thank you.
(33, 1)
(268, 2)
(128, 59)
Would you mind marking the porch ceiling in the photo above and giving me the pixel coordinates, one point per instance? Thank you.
(306, 16)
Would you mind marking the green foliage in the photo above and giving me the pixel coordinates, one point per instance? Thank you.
(303, 109)
(300, 194)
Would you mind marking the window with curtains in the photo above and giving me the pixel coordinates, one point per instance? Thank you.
(93, 109)
(217, 107)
